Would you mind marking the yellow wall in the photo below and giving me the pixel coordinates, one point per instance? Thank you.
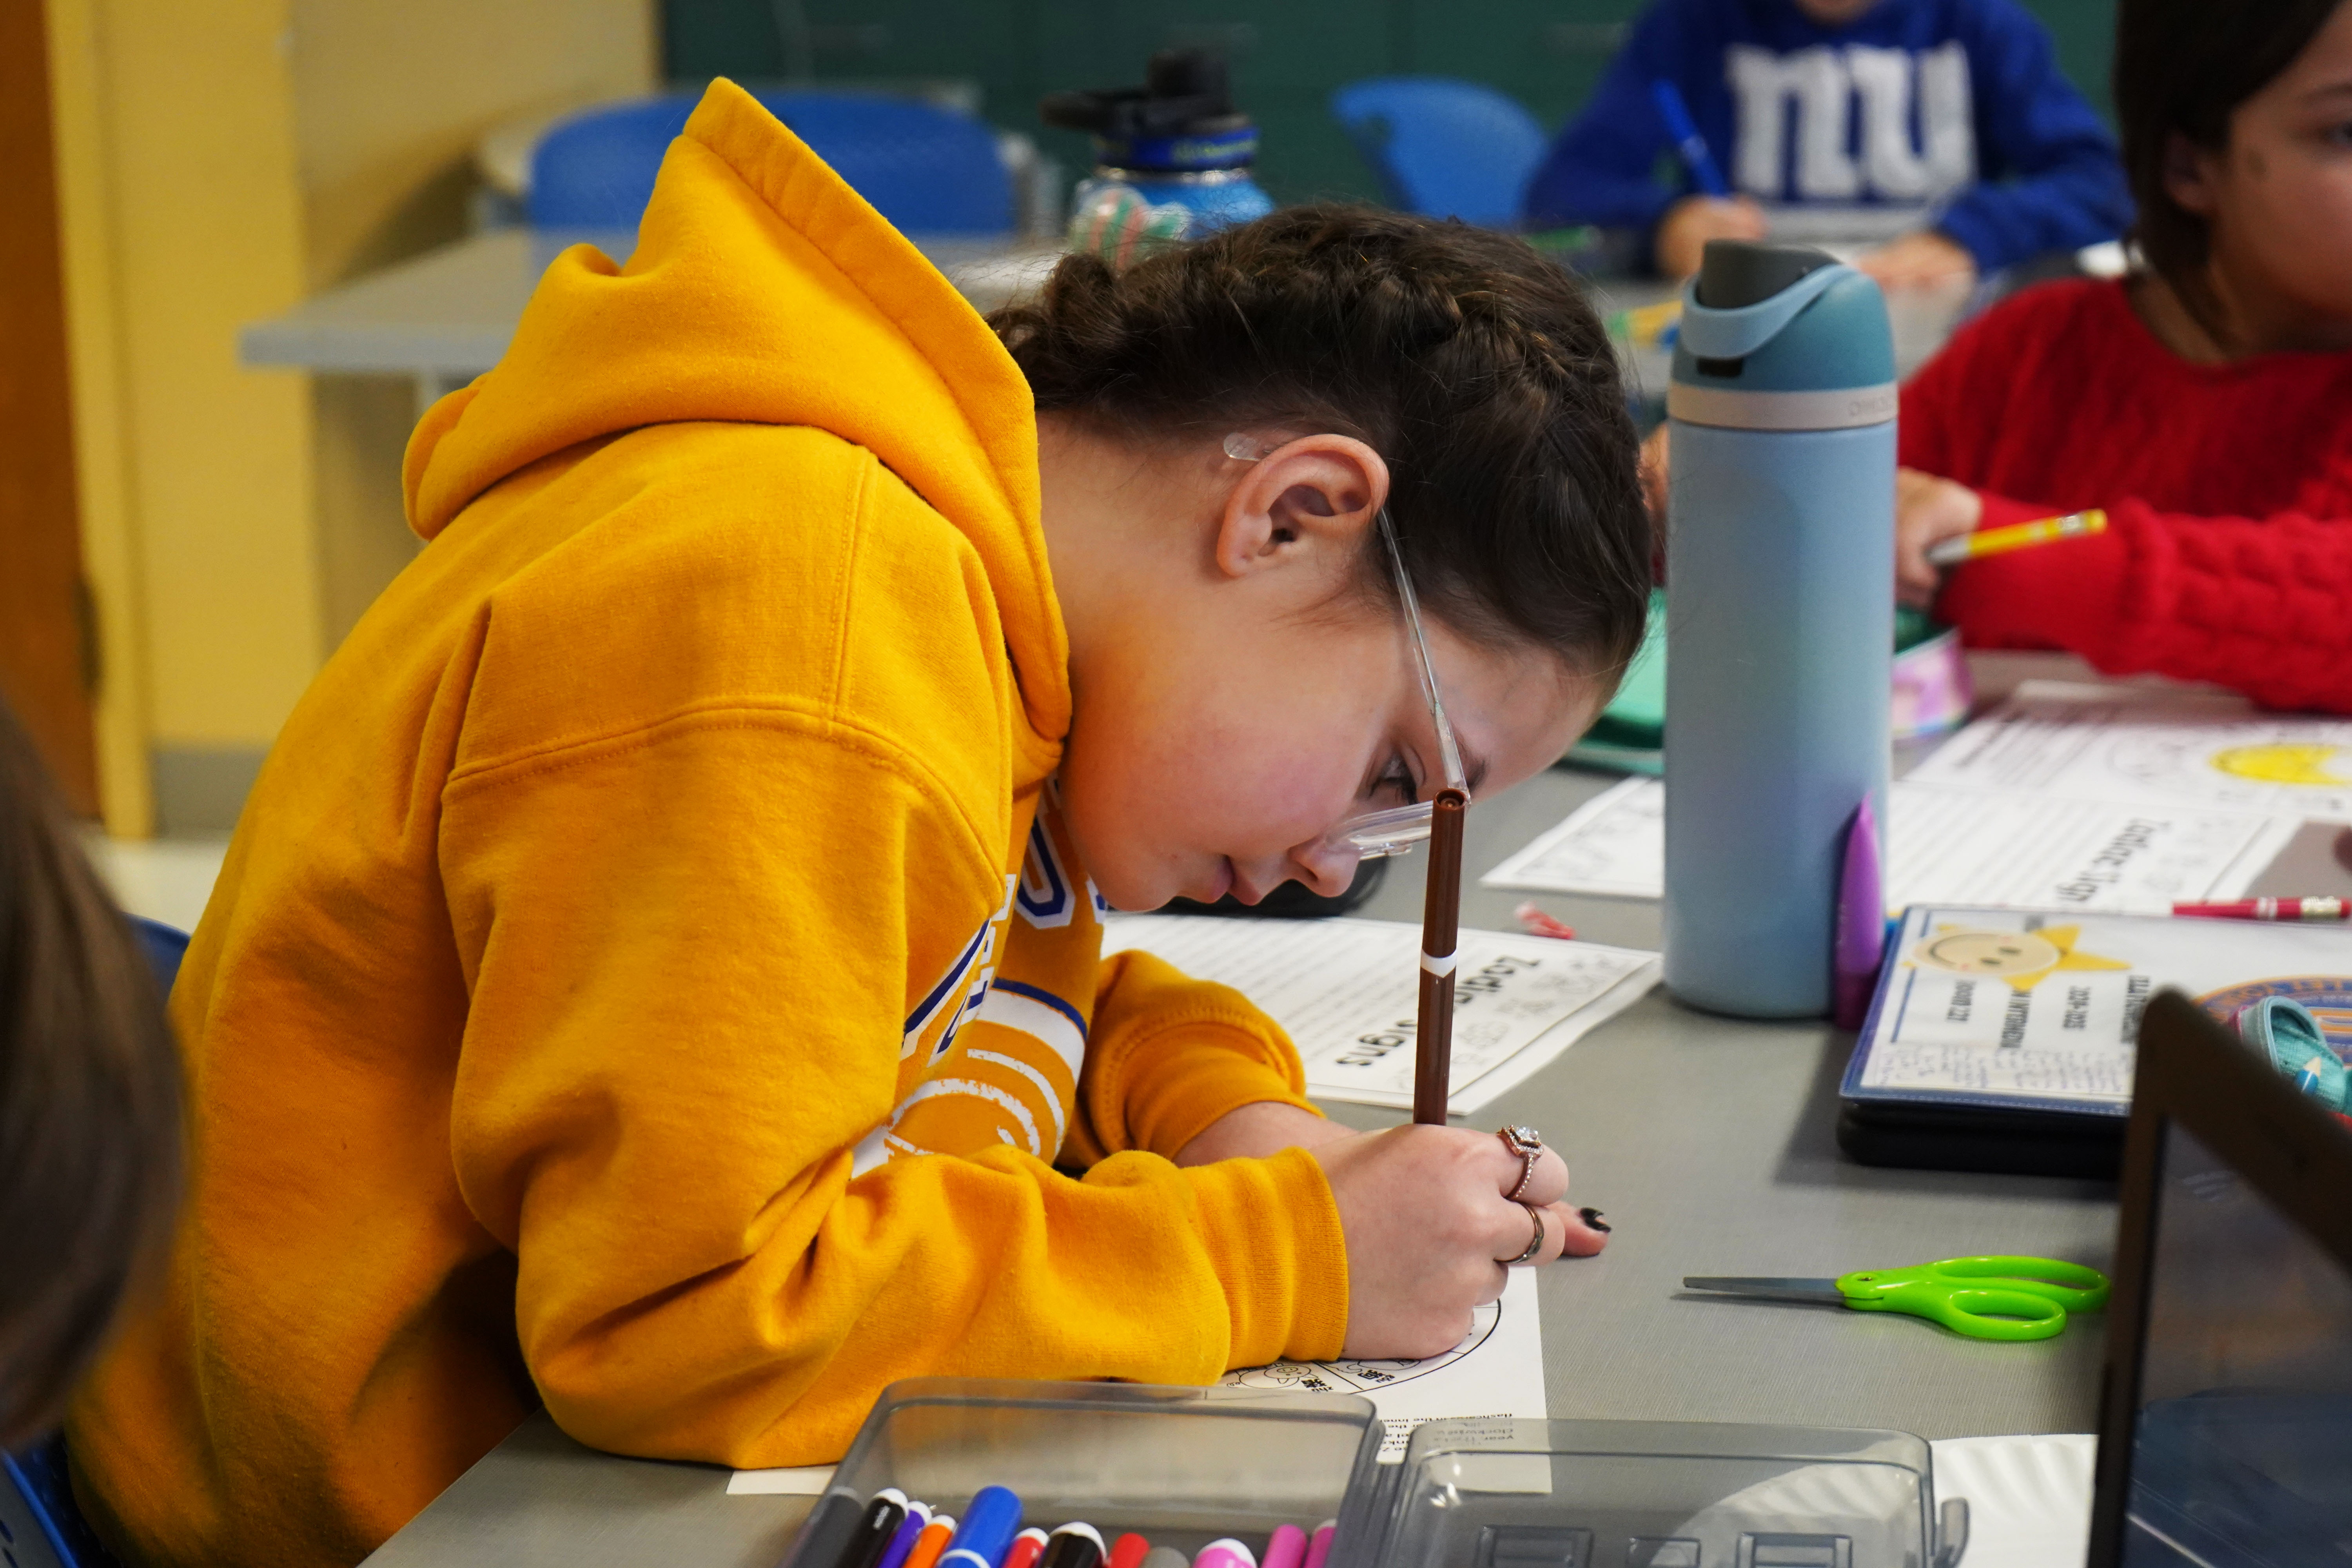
(218, 162)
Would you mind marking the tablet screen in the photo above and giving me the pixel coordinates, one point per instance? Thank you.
(2242, 1455)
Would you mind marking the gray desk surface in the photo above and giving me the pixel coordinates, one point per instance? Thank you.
(1707, 1141)
(449, 313)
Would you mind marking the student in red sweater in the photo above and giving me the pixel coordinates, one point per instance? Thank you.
(2205, 403)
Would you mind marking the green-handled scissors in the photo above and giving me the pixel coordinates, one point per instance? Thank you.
(1983, 1298)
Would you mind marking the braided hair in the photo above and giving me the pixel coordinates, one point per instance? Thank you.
(1470, 362)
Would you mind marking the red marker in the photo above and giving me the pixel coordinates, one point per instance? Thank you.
(2269, 910)
(1026, 1548)
(1128, 1550)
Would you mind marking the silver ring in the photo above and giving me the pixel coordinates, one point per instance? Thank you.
(1535, 1242)
(1527, 1144)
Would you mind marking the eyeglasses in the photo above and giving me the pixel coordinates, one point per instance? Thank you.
(1370, 836)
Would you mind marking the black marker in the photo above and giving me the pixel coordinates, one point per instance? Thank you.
(880, 1522)
(1073, 1546)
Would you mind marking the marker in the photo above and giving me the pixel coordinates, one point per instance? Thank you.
(986, 1532)
(1861, 924)
(1025, 1547)
(1226, 1553)
(1690, 146)
(2269, 910)
(918, 1514)
(1287, 1549)
(1128, 1550)
(2016, 536)
(1166, 1557)
(931, 1543)
(1319, 1545)
(877, 1527)
(1073, 1545)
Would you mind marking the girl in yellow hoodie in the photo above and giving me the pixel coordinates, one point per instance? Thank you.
(658, 971)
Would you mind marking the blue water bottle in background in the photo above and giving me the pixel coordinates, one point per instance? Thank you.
(1171, 158)
(1780, 579)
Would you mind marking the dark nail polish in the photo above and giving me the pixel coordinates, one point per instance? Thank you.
(1591, 1218)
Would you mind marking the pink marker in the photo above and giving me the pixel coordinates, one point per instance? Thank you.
(1226, 1553)
(1287, 1549)
(1319, 1546)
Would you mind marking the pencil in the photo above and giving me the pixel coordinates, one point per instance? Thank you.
(2017, 536)
(1441, 921)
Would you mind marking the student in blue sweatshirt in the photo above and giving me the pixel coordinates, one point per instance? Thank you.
(1942, 124)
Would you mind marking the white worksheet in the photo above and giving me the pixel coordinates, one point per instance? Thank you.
(1348, 993)
(1951, 845)
(2013, 1005)
(1495, 1371)
(2152, 746)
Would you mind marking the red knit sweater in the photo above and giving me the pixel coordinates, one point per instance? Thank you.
(2228, 490)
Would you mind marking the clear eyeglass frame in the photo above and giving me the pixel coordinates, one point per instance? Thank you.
(1374, 834)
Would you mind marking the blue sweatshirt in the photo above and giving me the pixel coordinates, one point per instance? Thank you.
(1953, 110)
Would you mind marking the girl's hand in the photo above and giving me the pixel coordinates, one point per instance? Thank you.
(1691, 221)
(1926, 510)
(1655, 460)
(1919, 260)
(1428, 1228)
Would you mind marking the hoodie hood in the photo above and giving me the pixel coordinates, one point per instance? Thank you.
(764, 290)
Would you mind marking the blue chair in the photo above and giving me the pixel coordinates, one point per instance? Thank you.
(40, 1525)
(1444, 148)
(928, 171)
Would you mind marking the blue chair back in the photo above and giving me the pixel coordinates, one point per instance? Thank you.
(1444, 148)
(926, 170)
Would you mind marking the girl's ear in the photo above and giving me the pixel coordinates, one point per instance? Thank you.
(1312, 500)
(2189, 175)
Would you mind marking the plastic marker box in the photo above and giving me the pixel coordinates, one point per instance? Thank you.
(1184, 1467)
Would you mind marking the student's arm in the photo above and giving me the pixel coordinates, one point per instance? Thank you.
(2262, 605)
(2050, 177)
(1602, 169)
(1169, 1056)
(686, 955)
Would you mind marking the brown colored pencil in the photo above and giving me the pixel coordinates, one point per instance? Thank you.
(1441, 920)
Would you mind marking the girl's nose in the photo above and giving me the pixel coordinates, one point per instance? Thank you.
(1326, 872)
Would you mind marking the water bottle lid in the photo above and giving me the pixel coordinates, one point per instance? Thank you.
(1733, 273)
(1181, 121)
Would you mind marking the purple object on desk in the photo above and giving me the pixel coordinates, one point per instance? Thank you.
(1861, 923)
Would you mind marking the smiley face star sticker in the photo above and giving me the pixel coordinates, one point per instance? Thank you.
(2020, 957)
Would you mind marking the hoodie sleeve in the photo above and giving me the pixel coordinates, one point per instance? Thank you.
(1168, 1055)
(2052, 179)
(684, 1015)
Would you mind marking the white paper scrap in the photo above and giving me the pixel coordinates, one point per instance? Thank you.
(801, 1481)
(2029, 1498)
(1497, 1371)
(1347, 992)
(1952, 845)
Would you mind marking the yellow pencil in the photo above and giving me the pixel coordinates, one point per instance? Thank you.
(2017, 536)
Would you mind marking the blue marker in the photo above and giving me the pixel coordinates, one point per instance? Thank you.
(988, 1528)
(1690, 146)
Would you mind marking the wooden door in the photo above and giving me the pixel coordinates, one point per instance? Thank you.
(46, 647)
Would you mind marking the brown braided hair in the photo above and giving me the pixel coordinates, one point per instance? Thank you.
(1471, 363)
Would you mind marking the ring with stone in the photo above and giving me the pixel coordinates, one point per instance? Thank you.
(1528, 1145)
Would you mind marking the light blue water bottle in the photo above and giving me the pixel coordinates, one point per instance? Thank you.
(1171, 160)
(1780, 573)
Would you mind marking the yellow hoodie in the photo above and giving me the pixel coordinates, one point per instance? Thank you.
(644, 979)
